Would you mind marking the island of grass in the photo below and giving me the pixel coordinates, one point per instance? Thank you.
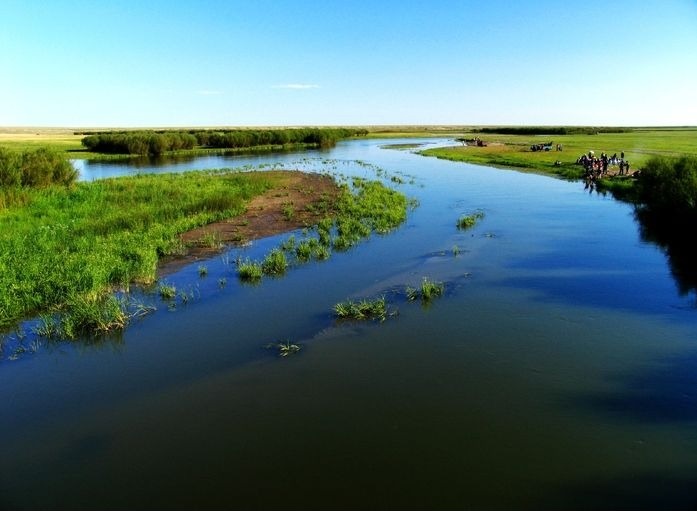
(66, 246)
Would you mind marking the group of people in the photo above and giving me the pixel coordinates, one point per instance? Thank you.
(596, 167)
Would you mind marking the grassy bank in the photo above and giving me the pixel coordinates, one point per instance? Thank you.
(62, 246)
(64, 249)
(513, 150)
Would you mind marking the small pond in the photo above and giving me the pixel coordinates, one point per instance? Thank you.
(558, 371)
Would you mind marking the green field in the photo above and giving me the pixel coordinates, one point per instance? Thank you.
(61, 246)
(638, 144)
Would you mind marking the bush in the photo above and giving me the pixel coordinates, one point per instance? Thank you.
(36, 169)
(10, 173)
(669, 185)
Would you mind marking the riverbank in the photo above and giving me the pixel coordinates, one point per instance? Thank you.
(64, 248)
(515, 151)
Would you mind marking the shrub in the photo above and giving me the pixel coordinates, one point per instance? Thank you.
(669, 185)
(36, 168)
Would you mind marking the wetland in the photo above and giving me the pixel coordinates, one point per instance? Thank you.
(553, 364)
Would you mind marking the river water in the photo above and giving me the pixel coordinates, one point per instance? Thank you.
(558, 371)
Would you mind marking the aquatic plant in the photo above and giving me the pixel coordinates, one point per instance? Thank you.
(285, 348)
(322, 253)
(468, 221)
(90, 316)
(427, 291)
(167, 291)
(362, 309)
(202, 270)
(275, 263)
(289, 244)
(431, 289)
(304, 250)
(249, 270)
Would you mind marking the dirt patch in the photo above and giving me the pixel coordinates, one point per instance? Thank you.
(299, 200)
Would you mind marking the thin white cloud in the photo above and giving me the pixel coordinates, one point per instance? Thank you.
(209, 92)
(297, 86)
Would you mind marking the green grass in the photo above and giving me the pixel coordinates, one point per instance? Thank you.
(61, 246)
(638, 144)
(362, 309)
(288, 211)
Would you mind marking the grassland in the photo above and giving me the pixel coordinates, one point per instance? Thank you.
(67, 246)
(513, 151)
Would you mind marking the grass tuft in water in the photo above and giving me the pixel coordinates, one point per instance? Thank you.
(167, 291)
(362, 309)
(202, 270)
(468, 221)
(275, 263)
(428, 290)
(285, 348)
(89, 316)
(249, 270)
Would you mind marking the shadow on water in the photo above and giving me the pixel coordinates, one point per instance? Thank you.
(643, 491)
(665, 392)
(673, 236)
(615, 280)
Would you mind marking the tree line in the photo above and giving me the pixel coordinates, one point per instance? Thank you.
(155, 143)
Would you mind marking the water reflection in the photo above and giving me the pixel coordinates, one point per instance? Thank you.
(664, 392)
(673, 236)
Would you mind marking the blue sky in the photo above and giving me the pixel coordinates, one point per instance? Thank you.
(258, 62)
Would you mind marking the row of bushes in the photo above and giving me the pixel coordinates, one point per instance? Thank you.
(155, 143)
(139, 142)
(36, 168)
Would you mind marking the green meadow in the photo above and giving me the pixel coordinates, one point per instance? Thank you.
(513, 150)
(64, 245)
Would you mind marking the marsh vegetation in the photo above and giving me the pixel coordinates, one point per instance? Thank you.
(365, 309)
(155, 143)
